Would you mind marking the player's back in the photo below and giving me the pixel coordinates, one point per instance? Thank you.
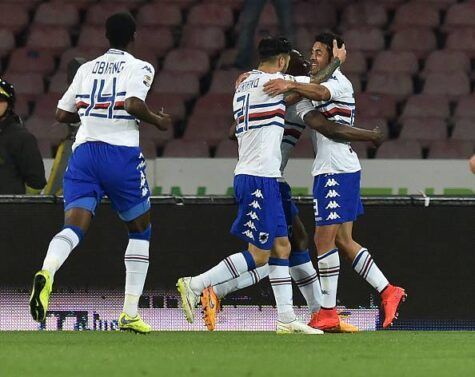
(294, 126)
(259, 126)
(100, 88)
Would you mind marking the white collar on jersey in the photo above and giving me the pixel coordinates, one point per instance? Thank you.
(116, 52)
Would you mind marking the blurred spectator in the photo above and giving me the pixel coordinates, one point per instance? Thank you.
(250, 17)
(21, 166)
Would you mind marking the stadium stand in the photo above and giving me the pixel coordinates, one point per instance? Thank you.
(410, 63)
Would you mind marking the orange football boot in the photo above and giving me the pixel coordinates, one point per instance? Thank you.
(211, 306)
(391, 298)
(325, 319)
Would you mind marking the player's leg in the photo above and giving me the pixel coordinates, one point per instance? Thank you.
(364, 265)
(81, 195)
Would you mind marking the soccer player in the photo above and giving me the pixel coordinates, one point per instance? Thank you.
(336, 190)
(302, 270)
(261, 219)
(107, 96)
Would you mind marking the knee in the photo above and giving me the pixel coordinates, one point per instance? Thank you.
(343, 243)
(261, 258)
(282, 249)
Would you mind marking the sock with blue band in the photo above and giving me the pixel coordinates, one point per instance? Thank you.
(329, 270)
(305, 276)
(230, 268)
(136, 261)
(279, 277)
(60, 247)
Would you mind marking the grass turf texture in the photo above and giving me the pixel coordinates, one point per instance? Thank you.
(227, 354)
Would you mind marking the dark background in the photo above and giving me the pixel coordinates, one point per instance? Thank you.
(429, 251)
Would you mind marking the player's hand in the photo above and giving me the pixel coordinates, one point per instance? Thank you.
(339, 53)
(378, 137)
(241, 78)
(164, 121)
(277, 86)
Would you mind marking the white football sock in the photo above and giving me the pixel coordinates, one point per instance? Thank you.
(368, 270)
(136, 267)
(59, 249)
(306, 278)
(244, 280)
(279, 277)
(329, 270)
(229, 268)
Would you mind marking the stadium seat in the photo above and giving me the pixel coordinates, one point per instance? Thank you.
(187, 60)
(303, 149)
(7, 42)
(391, 4)
(304, 39)
(227, 58)
(80, 4)
(186, 149)
(361, 148)
(462, 40)
(391, 61)
(56, 13)
(233, 4)
(159, 14)
(426, 105)
(53, 39)
(58, 83)
(155, 40)
(446, 61)
(27, 60)
(158, 137)
(369, 123)
(98, 13)
(464, 129)
(17, 18)
(365, 39)
(25, 4)
(214, 104)
(227, 149)
(30, 85)
(423, 130)
(210, 128)
(183, 4)
(171, 104)
(398, 85)
(420, 41)
(209, 39)
(93, 37)
(184, 84)
(415, 14)
(355, 80)
(223, 81)
(218, 15)
(47, 129)
(460, 15)
(22, 106)
(148, 147)
(78, 52)
(438, 4)
(375, 106)
(400, 149)
(45, 106)
(465, 107)
(355, 63)
(451, 149)
(453, 85)
(364, 13)
(322, 14)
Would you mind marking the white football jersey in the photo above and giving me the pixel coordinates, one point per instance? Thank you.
(333, 156)
(259, 126)
(98, 92)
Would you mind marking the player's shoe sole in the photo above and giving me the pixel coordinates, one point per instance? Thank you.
(211, 307)
(40, 294)
(133, 324)
(188, 298)
(296, 327)
(390, 304)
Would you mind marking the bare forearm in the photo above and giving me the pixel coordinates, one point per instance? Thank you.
(326, 72)
(232, 131)
(312, 91)
(140, 110)
(63, 116)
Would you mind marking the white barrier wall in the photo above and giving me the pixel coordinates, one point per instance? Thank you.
(214, 176)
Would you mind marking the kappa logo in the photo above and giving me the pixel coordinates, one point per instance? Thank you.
(258, 194)
(248, 234)
(253, 215)
(147, 68)
(250, 225)
(333, 216)
(332, 194)
(255, 205)
(263, 237)
(324, 292)
(332, 205)
(331, 183)
(144, 191)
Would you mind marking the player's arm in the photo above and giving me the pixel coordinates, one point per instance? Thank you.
(315, 120)
(139, 109)
(232, 131)
(64, 116)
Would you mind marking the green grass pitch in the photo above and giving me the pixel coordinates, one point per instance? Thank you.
(227, 354)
